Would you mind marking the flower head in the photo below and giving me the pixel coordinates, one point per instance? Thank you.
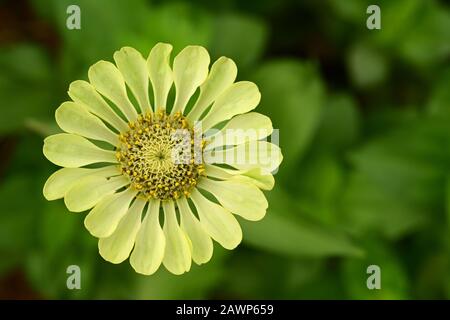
(159, 181)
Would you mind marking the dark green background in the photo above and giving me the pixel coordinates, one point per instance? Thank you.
(364, 119)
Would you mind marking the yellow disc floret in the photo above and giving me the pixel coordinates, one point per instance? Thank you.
(161, 155)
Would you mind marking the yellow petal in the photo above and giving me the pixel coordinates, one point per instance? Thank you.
(62, 180)
(150, 243)
(255, 154)
(72, 151)
(108, 80)
(117, 247)
(242, 128)
(262, 180)
(240, 97)
(88, 191)
(190, 69)
(134, 70)
(218, 222)
(74, 118)
(160, 73)
(177, 256)
(221, 77)
(202, 246)
(106, 215)
(84, 93)
(241, 198)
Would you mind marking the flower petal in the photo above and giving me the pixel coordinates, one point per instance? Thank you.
(108, 80)
(88, 191)
(177, 257)
(221, 77)
(117, 247)
(106, 215)
(202, 246)
(264, 181)
(160, 73)
(72, 151)
(74, 118)
(241, 198)
(84, 93)
(242, 128)
(150, 242)
(133, 67)
(190, 69)
(247, 156)
(62, 180)
(218, 222)
(240, 97)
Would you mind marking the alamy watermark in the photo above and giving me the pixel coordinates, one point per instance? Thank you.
(73, 281)
(237, 147)
(374, 20)
(73, 21)
(374, 280)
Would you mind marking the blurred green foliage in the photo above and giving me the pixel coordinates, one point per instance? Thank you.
(364, 119)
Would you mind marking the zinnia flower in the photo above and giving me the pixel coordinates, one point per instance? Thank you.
(121, 158)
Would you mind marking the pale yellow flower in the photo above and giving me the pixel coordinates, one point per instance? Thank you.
(117, 157)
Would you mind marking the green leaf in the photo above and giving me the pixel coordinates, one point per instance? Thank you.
(292, 96)
(57, 228)
(180, 24)
(447, 201)
(394, 281)
(105, 27)
(325, 285)
(277, 276)
(367, 207)
(397, 18)
(340, 123)
(284, 231)
(309, 279)
(350, 10)
(16, 220)
(387, 118)
(122, 282)
(430, 29)
(61, 241)
(432, 279)
(367, 65)
(399, 178)
(25, 86)
(48, 275)
(409, 28)
(439, 101)
(319, 191)
(193, 285)
(240, 38)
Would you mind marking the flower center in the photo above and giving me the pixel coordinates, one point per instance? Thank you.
(161, 155)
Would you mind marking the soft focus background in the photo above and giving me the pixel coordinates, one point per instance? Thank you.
(364, 119)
